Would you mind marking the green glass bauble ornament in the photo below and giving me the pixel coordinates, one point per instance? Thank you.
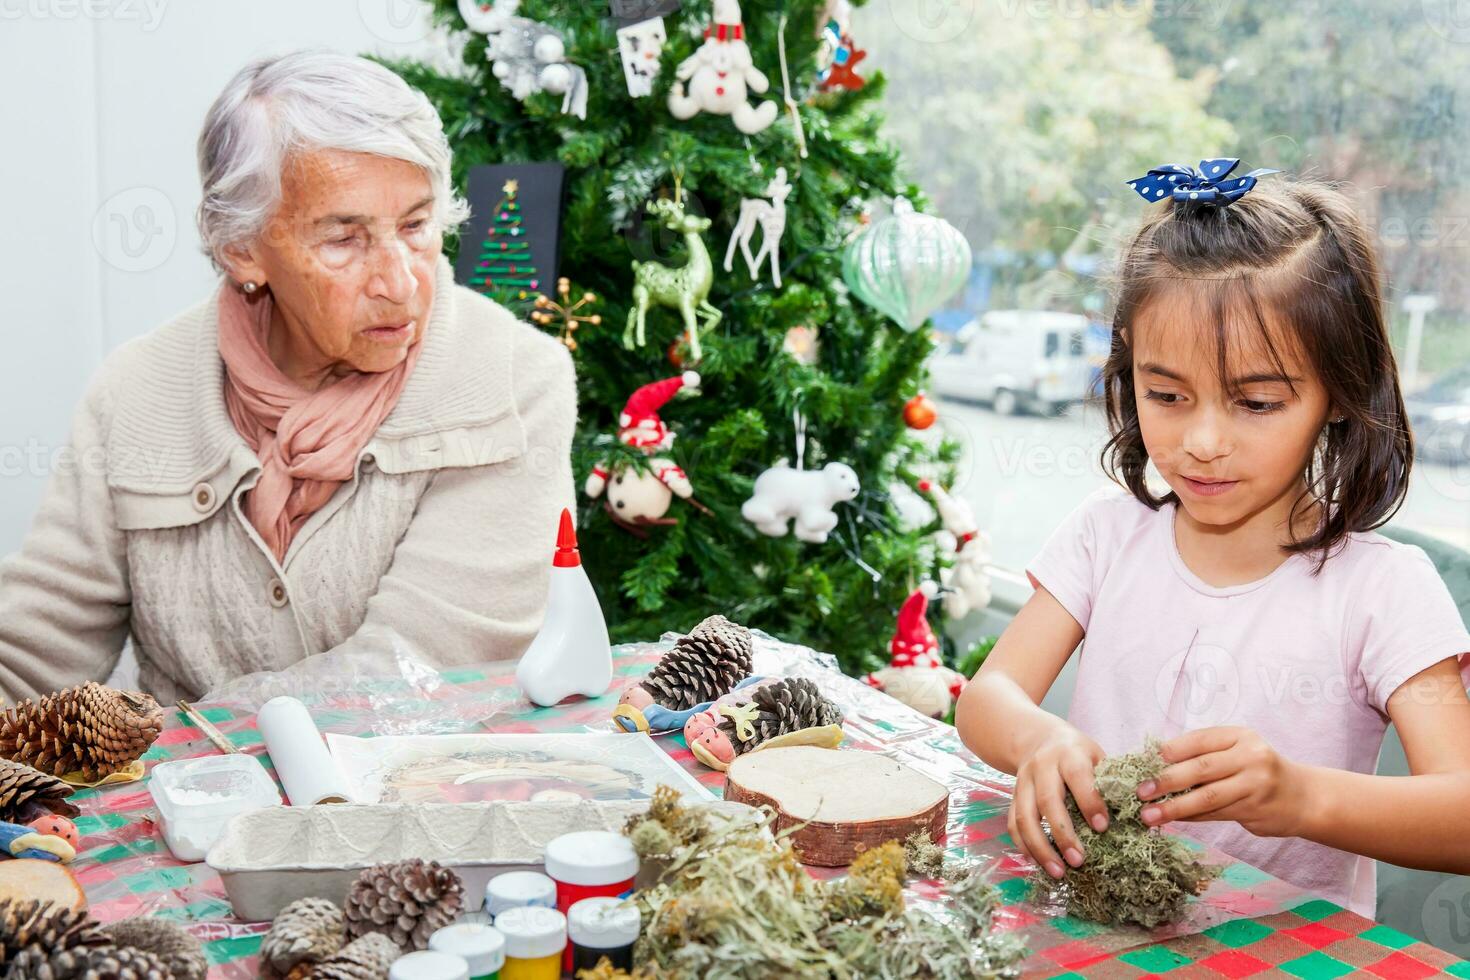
(908, 265)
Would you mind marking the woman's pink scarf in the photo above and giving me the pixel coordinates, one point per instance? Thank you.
(307, 441)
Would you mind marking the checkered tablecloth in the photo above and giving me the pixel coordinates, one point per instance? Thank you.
(1248, 923)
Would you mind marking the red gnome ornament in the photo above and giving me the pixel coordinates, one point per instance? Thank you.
(635, 497)
(915, 675)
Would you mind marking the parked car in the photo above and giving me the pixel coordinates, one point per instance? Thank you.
(1440, 417)
(1016, 360)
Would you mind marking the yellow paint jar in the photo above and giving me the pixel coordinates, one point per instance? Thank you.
(535, 943)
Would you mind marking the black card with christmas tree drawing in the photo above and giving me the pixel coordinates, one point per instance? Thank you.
(509, 247)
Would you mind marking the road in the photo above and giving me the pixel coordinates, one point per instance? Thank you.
(1026, 473)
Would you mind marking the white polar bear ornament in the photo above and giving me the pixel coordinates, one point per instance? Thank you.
(721, 75)
(808, 496)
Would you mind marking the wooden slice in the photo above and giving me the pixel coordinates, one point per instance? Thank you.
(849, 800)
(25, 878)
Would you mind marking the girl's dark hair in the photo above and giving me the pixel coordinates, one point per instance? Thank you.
(1298, 251)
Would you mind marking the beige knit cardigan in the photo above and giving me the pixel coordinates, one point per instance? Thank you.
(444, 534)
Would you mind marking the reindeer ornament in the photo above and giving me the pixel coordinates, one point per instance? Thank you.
(770, 218)
(686, 289)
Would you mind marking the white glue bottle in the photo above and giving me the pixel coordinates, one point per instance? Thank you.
(572, 654)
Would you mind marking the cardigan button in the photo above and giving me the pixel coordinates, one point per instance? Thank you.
(203, 498)
(278, 593)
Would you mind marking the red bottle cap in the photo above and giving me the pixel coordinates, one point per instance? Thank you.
(566, 555)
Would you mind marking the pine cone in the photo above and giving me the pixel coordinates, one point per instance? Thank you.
(709, 662)
(366, 958)
(44, 926)
(306, 931)
(174, 945)
(92, 729)
(786, 706)
(407, 901)
(27, 793)
(88, 963)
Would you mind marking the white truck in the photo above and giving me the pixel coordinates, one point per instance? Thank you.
(1016, 360)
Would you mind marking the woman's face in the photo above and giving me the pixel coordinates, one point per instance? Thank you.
(349, 256)
(1228, 454)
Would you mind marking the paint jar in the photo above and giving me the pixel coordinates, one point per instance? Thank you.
(535, 943)
(482, 947)
(602, 927)
(590, 864)
(428, 965)
(517, 890)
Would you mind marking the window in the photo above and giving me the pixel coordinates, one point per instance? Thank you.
(1021, 121)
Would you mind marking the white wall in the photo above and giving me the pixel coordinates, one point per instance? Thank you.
(100, 106)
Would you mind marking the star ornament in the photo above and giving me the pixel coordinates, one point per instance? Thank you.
(549, 311)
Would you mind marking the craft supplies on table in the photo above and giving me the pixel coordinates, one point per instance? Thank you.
(196, 798)
(482, 947)
(535, 943)
(426, 964)
(599, 928)
(590, 864)
(519, 889)
(307, 771)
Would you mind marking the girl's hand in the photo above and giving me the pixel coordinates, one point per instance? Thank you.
(1234, 775)
(1061, 763)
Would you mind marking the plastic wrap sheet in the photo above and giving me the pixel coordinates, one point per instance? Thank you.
(379, 686)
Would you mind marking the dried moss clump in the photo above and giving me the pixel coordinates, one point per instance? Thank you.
(732, 902)
(1132, 873)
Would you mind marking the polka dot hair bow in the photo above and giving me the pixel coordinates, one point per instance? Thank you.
(1210, 184)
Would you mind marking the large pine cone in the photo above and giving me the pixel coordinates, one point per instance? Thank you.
(786, 706)
(43, 926)
(306, 931)
(92, 729)
(27, 793)
(407, 901)
(367, 958)
(174, 945)
(709, 662)
(88, 963)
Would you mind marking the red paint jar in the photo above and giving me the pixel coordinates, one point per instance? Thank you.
(590, 864)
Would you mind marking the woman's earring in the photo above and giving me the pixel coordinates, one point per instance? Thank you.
(250, 288)
(1340, 418)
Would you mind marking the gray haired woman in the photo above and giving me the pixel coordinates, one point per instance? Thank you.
(338, 437)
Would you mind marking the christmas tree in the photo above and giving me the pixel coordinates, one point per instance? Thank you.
(504, 269)
(807, 347)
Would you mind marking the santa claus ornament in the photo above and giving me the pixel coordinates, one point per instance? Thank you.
(915, 675)
(719, 77)
(637, 498)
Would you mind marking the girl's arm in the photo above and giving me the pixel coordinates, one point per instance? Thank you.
(1000, 719)
(999, 715)
(1415, 821)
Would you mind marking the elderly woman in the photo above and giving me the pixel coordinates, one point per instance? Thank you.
(338, 437)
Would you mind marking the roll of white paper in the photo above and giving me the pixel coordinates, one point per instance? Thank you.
(307, 770)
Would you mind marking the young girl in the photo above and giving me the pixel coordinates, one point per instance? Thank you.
(1251, 616)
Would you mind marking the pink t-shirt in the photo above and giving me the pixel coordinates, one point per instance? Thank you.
(1309, 663)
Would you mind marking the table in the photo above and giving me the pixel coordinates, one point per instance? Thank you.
(1248, 923)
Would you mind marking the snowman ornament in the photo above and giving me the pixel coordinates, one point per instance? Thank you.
(966, 582)
(719, 77)
(915, 674)
(636, 498)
